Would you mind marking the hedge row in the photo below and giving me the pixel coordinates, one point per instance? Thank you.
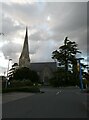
(20, 83)
(32, 89)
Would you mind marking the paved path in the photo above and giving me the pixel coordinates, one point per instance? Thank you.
(8, 97)
(54, 103)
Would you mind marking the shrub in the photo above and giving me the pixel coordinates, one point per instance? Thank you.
(28, 89)
(32, 89)
(19, 83)
(6, 90)
(54, 82)
(26, 73)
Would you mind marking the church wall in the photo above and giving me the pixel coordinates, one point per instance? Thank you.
(46, 74)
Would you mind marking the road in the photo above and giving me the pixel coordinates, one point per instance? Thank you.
(53, 103)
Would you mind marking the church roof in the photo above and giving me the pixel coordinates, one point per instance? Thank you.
(41, 65)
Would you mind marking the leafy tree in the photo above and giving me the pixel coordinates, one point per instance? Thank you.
(26, 73)
(86, 77)
(66, 55)
(60, 79)
(15, 65)
(12, 70)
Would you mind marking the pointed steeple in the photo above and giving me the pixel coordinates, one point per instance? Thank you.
(24, 60)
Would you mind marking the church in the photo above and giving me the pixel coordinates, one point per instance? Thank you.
(44, 69)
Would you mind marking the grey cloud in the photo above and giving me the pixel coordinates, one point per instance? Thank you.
(44, 52)
(2, 70)
(11, 49)
(33, 46)
(9, 29)
(39, 36)
(66, 19)
(73, 19)
(8, 25)
(36, 36)
(24, 13)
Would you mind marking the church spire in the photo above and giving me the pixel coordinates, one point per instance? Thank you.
(24, 60)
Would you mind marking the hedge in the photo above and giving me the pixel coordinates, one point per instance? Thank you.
(20, 83)
(32, 89)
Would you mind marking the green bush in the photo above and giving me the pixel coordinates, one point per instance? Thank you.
(6, 90)
(54, 82)
(32, 89)
(28, 89)
(19, 83)
(26, 73)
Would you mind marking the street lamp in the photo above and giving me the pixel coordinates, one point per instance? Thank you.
(56, 69)
(80, 72)
(7, 72)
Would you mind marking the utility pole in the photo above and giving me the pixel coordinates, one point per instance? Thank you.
(56, 68)
(80, 72)
(7, 72)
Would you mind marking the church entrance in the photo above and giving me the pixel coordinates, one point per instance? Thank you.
(46, 80)
(46, 75)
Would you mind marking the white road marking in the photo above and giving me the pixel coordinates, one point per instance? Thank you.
(58, 92)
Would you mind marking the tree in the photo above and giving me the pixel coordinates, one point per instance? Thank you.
(66, 55)
(85, 74)
(26, 73)
(12, 70)
(15, 65)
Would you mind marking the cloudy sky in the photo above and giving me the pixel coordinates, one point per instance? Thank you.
(48, 24)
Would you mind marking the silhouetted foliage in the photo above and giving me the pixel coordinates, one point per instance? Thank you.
(86, 76)
(12, 71)
(15, 65)
(66, 55)
(26, 73)
(60, 79)
(20, 83)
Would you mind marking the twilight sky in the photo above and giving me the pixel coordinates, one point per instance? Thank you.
(48, 24)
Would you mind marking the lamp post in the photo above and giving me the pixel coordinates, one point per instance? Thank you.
(7, 72)
(56, 69)
(80, 73)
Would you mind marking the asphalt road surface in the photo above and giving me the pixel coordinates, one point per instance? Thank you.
(53, 103)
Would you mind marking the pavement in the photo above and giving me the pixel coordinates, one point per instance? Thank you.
(8, 97)
(86, 104)
(53, 103)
